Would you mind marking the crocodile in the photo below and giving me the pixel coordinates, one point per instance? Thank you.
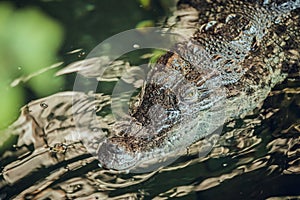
(235, 52)
(234, 56)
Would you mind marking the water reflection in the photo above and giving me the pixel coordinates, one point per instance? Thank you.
(256, 157)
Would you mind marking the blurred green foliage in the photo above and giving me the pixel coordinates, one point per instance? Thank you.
(29, 41)
(145, 3)
(145, 23)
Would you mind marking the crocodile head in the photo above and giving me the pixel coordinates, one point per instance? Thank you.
(165, 119)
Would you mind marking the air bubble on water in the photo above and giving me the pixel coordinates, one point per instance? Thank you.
(81, 54)
(136, 46)
(44, 105)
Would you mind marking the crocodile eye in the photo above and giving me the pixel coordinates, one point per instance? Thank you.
(189, 94)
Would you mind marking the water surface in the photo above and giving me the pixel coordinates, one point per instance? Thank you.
(256, 157)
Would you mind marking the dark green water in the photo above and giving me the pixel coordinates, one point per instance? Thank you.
(256, 158)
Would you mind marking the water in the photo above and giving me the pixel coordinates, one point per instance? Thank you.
(256, 157)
